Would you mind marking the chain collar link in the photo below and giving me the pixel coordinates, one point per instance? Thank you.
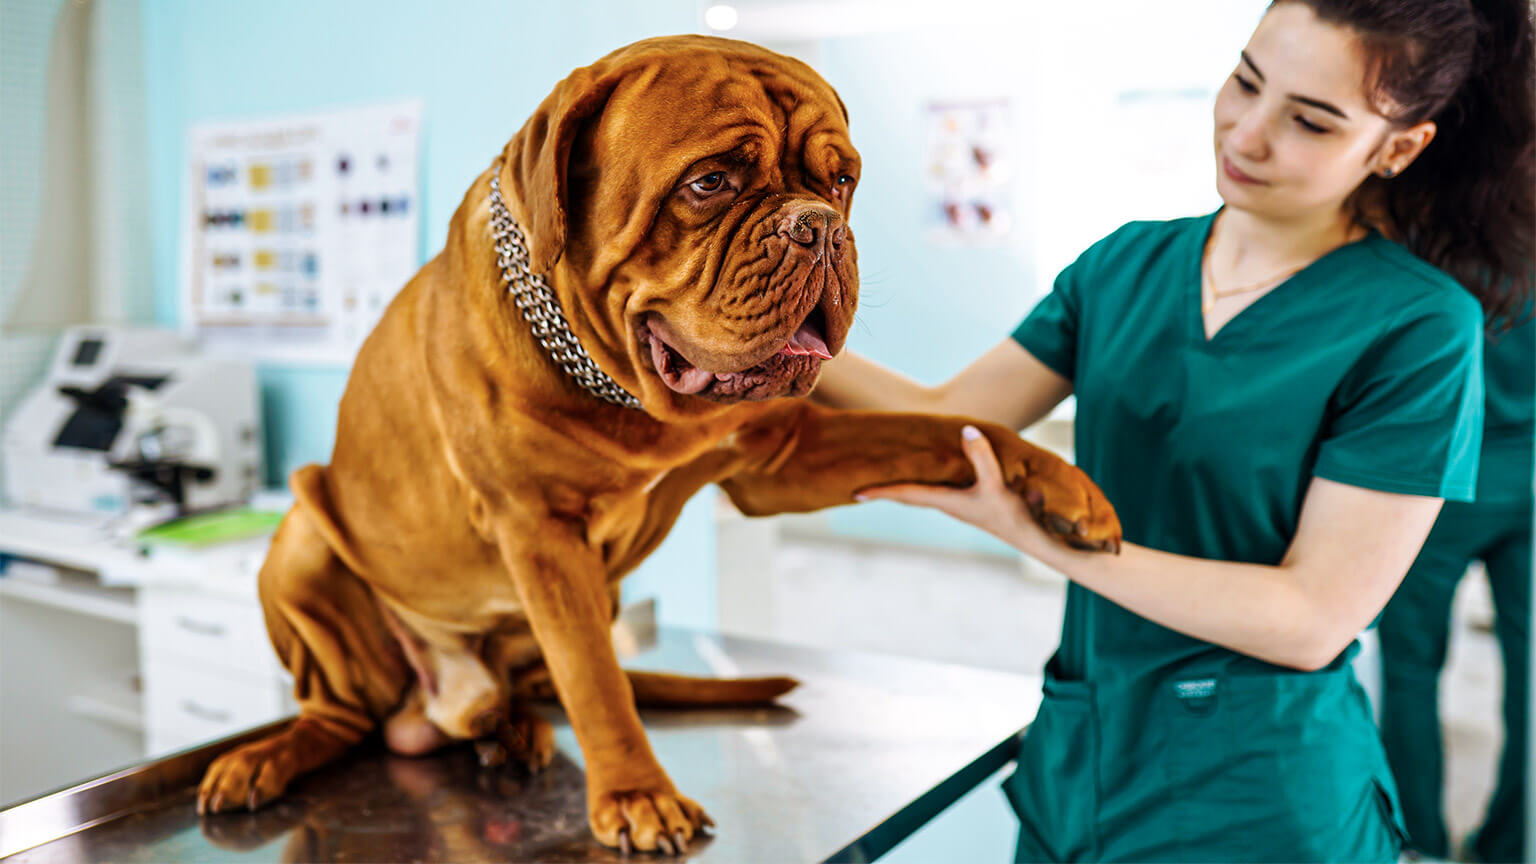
(542, 309)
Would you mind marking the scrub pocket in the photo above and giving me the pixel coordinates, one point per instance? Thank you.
(1055, 790)
(1281, 767)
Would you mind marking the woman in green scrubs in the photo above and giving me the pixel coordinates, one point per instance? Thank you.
(1494, 529)
(1276, 398)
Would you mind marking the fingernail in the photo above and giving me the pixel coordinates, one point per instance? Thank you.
(861, 497)
(970, 433)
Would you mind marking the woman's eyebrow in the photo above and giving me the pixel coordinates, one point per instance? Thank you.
(1320, 105)
(1249, 61)
(1305, 100)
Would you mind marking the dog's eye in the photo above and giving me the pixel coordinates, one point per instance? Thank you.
(714, 181)
(844, 179)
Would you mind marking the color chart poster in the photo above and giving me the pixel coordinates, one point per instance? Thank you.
(300, 230)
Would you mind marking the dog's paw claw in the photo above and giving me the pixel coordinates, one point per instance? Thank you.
(1073, 516)
(491, 754)
(657, 820)
(1059, 525)
(527, 739)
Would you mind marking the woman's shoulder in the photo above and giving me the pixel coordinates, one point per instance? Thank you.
(1139, 240)
(1413, 289)
(1153, 233)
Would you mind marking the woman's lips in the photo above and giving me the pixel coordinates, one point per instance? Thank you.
(1237, 174)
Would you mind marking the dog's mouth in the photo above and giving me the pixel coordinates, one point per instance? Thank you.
(796, 361)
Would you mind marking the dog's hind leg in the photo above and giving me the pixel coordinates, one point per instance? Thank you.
(523, 737)
(348, 671)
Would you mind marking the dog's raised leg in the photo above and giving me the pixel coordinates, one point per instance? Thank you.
(808, 457)
(631, 803)
(348, 671)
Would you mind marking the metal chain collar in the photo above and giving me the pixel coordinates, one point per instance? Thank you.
(541, 308)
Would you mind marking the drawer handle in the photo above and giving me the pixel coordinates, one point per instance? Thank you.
(202, 713)
(199, 627)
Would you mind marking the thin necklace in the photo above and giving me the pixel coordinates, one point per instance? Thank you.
(1210, 293)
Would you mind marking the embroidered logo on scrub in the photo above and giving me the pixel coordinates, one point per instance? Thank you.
(1197, 695)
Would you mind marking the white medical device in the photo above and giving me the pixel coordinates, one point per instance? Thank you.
(127, 416)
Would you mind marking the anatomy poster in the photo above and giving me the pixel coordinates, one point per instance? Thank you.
(969, 169)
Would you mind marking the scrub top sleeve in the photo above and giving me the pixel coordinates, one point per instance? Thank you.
(1408, 418)
(1049, 331)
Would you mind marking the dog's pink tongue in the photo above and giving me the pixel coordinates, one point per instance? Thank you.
(807, 341)
(688, 381)
(692, 380)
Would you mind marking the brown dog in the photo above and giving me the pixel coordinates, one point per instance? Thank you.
(686, 201)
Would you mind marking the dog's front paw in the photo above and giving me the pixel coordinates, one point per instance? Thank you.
(253, 774)
(247, 777)
(658, 820)
(1067, 504)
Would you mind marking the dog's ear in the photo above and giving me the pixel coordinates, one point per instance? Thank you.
(537, 159)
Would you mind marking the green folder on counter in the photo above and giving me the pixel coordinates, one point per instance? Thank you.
(211, 529)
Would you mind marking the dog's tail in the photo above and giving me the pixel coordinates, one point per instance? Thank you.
(665, 690)
(661, 689)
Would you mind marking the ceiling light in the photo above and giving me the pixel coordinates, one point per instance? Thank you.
(720, 17)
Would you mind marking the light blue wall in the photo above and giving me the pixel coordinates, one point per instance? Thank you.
(479, 67)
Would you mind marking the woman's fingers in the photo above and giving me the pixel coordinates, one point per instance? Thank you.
(912, 493)
(979, 450)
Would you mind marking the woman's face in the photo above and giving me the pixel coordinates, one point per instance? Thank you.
(1295, 134)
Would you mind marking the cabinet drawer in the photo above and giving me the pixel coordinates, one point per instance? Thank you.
(209, 631)
(162, 742)
(190, 704)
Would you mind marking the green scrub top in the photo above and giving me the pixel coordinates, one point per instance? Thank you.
(1509, 425)
(1365, 369)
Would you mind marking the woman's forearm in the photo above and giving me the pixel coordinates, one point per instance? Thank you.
(853, 383)
(1007, 386)
(1253, 609)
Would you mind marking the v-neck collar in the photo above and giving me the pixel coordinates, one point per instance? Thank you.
(1193, 295)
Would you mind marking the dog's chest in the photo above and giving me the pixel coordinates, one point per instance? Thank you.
(628, 526)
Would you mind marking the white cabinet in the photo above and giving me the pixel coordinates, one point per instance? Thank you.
(187, 704)
(180, 625)
(108, 656)
(208, 668)
(69, 703)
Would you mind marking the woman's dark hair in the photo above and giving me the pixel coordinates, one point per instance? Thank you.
(1468, 204)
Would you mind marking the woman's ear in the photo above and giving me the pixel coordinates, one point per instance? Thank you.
(1402, 147)
(536, 160)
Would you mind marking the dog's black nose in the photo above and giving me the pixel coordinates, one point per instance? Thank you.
(812, 226)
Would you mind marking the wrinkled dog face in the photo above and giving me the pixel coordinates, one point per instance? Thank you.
(736, 172)
(774, 293)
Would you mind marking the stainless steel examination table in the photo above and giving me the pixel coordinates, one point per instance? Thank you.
(866, 751)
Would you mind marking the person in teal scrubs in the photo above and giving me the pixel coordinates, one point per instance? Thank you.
(1494, 529)
(1277, 398)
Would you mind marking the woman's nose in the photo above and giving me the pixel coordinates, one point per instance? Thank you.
(1249, 135)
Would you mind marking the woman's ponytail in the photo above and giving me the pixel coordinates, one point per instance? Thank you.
(1468, 203)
